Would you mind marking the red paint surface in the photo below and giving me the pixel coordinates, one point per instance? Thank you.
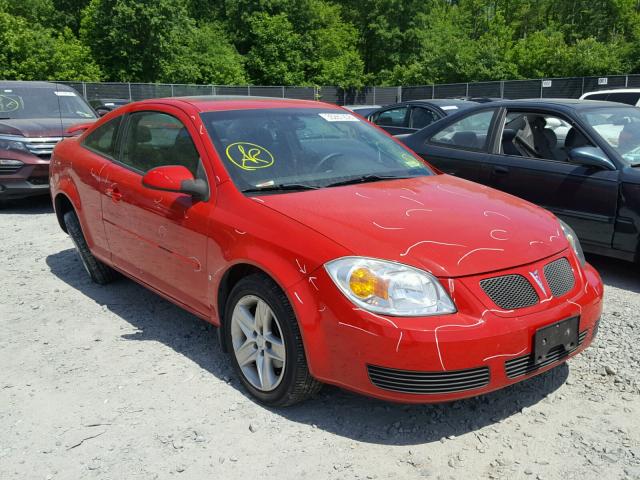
(460, 231)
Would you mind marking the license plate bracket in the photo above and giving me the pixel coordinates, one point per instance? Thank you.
(563, 333)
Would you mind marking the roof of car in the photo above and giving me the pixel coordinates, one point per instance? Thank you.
(229, 102)
(443, 101)
(570, 103)
(613, 90)
(18, 83)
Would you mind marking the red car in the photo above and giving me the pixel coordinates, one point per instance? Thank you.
(325, 250)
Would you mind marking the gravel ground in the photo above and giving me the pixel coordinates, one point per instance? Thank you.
(115, 382)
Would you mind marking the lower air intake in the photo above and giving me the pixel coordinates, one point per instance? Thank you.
(408, 381)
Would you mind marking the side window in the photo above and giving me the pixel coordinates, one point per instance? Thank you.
(421, 117)
(597, 96)
(395, 117)
(471, 132)
(539, 135)
(630, 98)
(103, 139)
(153, 139)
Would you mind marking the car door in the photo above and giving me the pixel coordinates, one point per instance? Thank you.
(159, 237)
(458, 147)
(393, 120)
(530, 160)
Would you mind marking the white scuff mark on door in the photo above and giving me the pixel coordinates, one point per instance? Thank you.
(421, 242)
(387, 228)
(476, 250)
(417, 210)
(496, 233)
(357, 328)
(505, 355)
(486, 213)
(239, 232)
(197, 264)
(361, 195)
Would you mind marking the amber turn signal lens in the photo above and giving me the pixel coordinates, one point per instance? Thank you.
(365, 284)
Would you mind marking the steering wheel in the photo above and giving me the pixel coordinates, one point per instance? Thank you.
(324, 160)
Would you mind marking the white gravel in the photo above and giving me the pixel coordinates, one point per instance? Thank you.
(116, 383)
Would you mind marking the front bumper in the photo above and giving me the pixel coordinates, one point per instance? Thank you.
(27, 181)
(477, 350)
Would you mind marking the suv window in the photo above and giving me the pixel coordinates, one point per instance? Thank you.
(154, 139)
(630, 98)
(103, 139)
(597, 96)
(470, 132)
(395, 117)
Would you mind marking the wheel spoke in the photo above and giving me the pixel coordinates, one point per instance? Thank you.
(245, 320)
(268, 376)
(246, 353)
(276, 351)
(263, 317)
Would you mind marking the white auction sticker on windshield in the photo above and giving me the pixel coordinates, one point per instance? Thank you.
(449, 107)
(65, 94)
(338, 117)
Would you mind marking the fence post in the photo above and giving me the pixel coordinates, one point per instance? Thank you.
(84, 90)
(582, 89)
(249, 90)
(129, 85)
(374, 95)
(501, 88)
(282, 91)
(399, 94)
(467, 90)
(541, 86)
(172, 89)
(626, 81)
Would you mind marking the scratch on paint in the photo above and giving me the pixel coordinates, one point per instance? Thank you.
(387, 228)
(417, 210)
(198, 264)
(301, 267)
(324, 307)
(360, 195)
(577, 305)
(201, 129)
(490, 212)
(239, 232)
(441, 187)
(298, 297)
(479, 250)
(479, 322)
(412, 200)
(257, 199)
(409, 190)
(399, 340)
(430, 241)
(312, 282)
(533, 242)
(492, 234)
(377, 316)
(358, 328)
(505, 355)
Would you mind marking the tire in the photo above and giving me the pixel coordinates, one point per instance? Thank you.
(98, 271)
(294, 382)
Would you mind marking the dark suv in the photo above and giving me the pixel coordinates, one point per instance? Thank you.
(34, 116)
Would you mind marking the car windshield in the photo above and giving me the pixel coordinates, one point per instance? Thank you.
(620, 128)
(27, 102)
(291, 148)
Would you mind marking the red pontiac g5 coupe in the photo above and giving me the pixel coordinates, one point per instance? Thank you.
(324, 250)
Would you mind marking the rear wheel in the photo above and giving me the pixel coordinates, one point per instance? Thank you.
(97, 270)
(265, 343)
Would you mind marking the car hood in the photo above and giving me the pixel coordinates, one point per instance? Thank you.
(448, 226)
(39, 127)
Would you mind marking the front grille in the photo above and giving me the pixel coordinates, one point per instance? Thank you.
(9, 169)
(517, 367)
(407, 381)
(510, 292)
(41, 147)
(559, 275)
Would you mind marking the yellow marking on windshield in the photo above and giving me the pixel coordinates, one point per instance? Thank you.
(249, 156)
(8, 104)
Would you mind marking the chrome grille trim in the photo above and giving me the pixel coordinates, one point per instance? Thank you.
(559, 276)
(408, 381)
(510, 292)
(516, 367)
(41, 147)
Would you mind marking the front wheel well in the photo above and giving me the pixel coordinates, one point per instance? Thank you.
(62, 205)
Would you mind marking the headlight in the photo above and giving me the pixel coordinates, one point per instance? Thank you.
(573, 241)
(389, 288)
(10, 142)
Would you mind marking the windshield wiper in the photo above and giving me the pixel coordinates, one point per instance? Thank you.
(280, 187)
(366, 179)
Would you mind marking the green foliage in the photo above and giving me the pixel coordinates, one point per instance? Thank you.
(314, 42)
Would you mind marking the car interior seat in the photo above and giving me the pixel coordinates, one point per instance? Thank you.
(465, 139)
(184, 152)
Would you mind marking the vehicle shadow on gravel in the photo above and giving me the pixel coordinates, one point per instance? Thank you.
(334, 410)
(33, 206)
(617, 273)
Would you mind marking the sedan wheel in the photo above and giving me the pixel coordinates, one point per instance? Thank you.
(258, 343)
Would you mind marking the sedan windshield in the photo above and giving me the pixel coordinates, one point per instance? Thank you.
(288, 149)
(620, 128)
(42, 102)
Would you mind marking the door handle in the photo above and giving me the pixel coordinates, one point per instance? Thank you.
(500, 170)
(113, 193)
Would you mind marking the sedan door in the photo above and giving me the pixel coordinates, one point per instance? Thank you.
(159, 237)
(393, 120)
(530, 160)
(458, 146)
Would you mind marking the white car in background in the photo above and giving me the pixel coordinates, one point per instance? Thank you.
(630, 96)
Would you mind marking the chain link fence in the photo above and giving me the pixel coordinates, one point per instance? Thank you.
(572, 87)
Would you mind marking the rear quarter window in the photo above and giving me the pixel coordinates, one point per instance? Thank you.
(103, 139)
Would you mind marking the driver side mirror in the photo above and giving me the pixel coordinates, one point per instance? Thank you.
(175, 178)
(102, 111)
(591, 157)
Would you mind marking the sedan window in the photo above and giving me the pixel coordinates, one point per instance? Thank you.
(395, 117)
(154, 139)
(470, 132)
(620, 128)
(103, 139)
(421, 117)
